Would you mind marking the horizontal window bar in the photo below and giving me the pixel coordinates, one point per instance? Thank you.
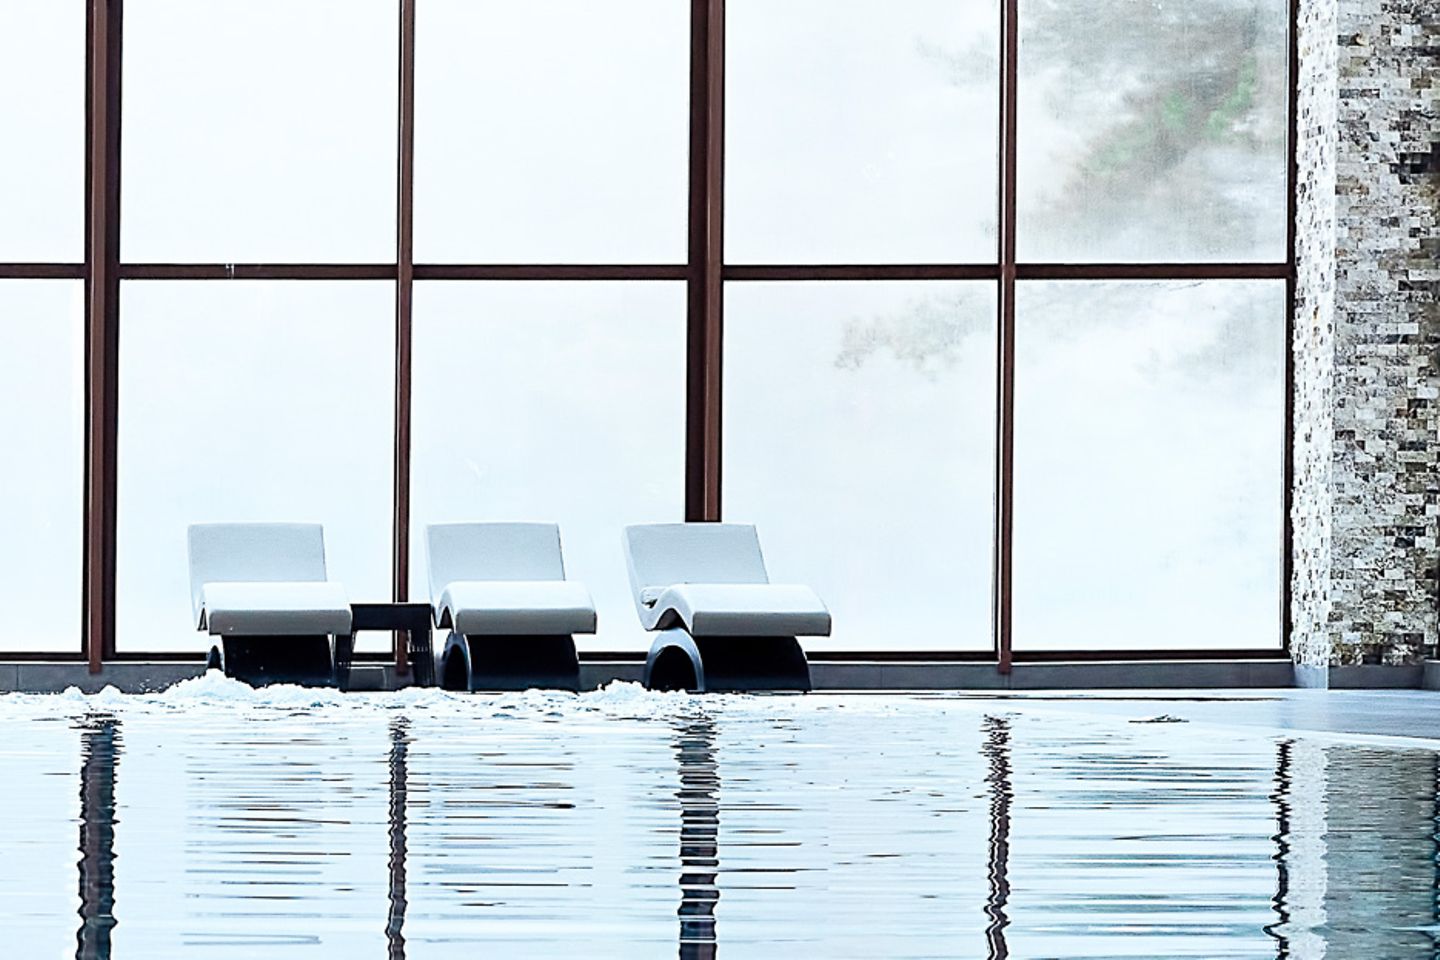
(387, 271)
(1152, 271)
(257, 271)
(175, 656)
(987, 656)
(856, 271)
(1054, 656)
(815, 656)
(1023, 271)
(902, 656)
(42, 656)
(155, 656)
(550, 271)
(737, 272)
(42, 271)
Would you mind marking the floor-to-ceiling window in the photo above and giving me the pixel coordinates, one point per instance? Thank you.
(42, 348)
(253, 133)
(978, 308)
(1135, 194)
(551, 136)
(1150, 406)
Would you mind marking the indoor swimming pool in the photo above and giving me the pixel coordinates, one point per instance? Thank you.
(217, 821)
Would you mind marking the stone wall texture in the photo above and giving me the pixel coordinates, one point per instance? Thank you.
(1367, 330)
(1312, 502)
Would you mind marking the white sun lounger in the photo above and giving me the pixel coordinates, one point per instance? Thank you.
(261, 591)
(500, 589)
(723, 625)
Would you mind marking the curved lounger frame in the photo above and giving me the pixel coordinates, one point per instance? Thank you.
(260, 591)
(678, 661)
(500, 589)
(263, 660)
(472, 662)
(723, 626)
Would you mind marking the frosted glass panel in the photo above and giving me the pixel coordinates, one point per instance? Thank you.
(42, 429)
(859, 436)
(554, 402)
(1149, 434)
(251, 401)
(861, 132)
(1152, 130)
(42, 114)
(551, 131)
(262, 131)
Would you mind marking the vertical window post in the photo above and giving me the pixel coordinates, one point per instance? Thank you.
(404, 292)
(704, 304)
(102, 293)
(1005, 379)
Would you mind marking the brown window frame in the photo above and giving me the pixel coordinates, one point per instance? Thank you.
(705, 274)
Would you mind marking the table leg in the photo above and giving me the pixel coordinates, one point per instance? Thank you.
(421, 656)
(344, 653)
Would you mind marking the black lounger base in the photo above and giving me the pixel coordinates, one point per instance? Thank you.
(679, 661)
(261, 661)
(478, 662)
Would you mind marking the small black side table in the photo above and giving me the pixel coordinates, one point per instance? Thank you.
(413, 618)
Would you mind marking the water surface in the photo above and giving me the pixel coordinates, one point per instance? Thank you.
(216, 821)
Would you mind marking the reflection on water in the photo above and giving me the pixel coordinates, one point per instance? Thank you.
(395, 924)
(819, 826)
(1359, 862)
(99, 755)
(1283, 902)
(699, 797)
(997, 755)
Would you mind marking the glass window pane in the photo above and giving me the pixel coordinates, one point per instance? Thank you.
(551, 132)
(1149, 435)
(42, 114)
(859, 437)
(277, 145)
(861, 132)
(554, 402)
(1152, 130)
(42, 418)
(251, 401)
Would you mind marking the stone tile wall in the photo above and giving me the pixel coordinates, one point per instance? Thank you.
(1367, 332)
(1314, 336)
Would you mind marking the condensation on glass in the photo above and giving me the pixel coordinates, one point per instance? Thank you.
(42, 116)
(1152, 130)
(1149, 439)
(861, 133)
(259, 132)
(859, 437)
(551, 132)
(42, 411)
(551, 402)
(250, 401)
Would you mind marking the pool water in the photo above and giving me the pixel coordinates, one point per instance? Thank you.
(217, 821)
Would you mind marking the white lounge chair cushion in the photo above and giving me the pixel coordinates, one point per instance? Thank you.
(280, 608)
(517, 607)
(738, 610)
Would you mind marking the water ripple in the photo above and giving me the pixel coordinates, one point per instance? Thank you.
(215, 821)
